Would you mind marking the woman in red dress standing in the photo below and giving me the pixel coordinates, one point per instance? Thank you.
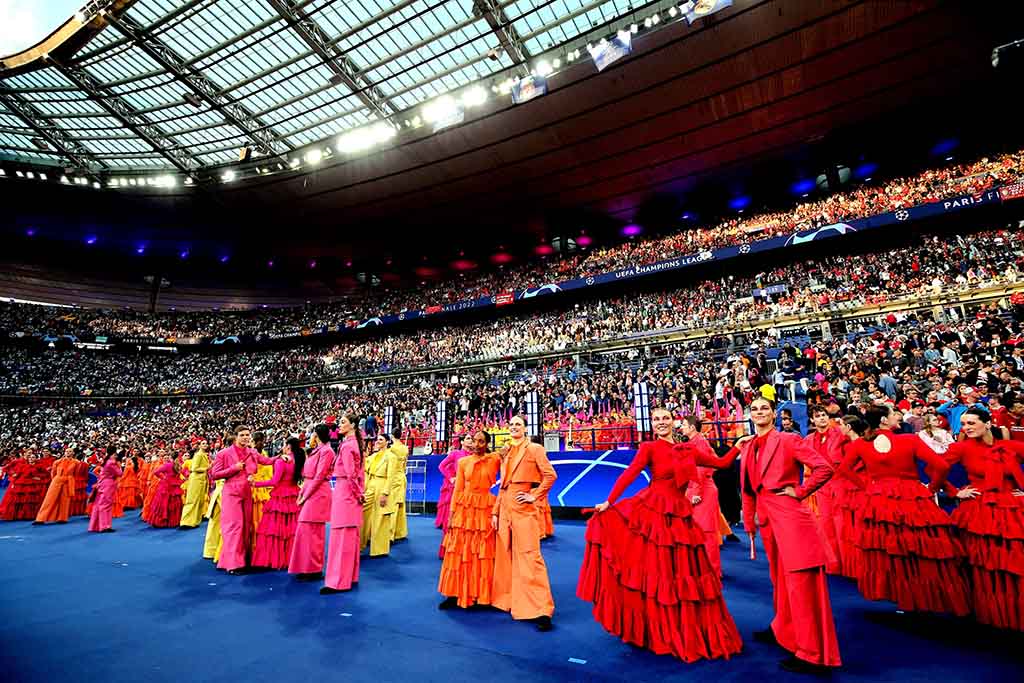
(165, 510)
(909, 553)
(646, 568)
(847, 500)
(991, 520)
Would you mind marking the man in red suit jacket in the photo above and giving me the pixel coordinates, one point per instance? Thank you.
(770, 469)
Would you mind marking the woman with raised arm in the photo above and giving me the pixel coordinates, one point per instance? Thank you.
(276, 532)
(646, 568)
(990, 518)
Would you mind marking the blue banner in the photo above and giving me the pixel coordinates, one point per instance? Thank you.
(695, 9)
(528, 88)
(608, 51)
(584, 477)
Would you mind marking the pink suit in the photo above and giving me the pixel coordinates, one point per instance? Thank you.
(346, 517)
(314, 512)
(102, 516)
(235, 503)
(706, 512)
(797, 556)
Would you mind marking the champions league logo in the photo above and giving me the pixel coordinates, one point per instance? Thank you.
(590, 280)
(902, 215)
(826, 231)
(372, 322)
(744, 248)
(543, 289)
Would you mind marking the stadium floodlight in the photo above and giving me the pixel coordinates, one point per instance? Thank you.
(655, 18)
(189, 181)
(96, 184)
(672, 11)
(440, 109)
(355, 141)
(42, 176)
(64, 180)
(474, 97)
(544, 68)
(314, 157)
(228, 176)
(294, 163)
(30, 175)
(633, 28)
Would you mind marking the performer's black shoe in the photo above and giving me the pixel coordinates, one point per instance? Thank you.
(766, 636)
(107, 531)
(449, 603)
(732, 538)
(37, 523)
(309, 577)
(796, 665)
(543, 623)
(62, 521)
(237, 572)
(330, 591)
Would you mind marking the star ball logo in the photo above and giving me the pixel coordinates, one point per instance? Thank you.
(590, 280)
(744, 248)
(902, 215)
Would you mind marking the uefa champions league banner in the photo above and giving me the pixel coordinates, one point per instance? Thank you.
(584, 477)
(940, 208)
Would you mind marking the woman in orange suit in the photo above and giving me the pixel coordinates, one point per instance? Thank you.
(467, 572)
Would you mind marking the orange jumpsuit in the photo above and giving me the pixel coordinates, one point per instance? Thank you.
(521, 583)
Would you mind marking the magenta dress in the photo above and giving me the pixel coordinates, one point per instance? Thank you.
(346, 517)
(102, 515)
(167, 501)
(448, 467)
(276, 532)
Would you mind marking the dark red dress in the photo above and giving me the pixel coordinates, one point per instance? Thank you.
(646, 568)
(909, 552)
(167, 503)
(26, 491)
(992, 529)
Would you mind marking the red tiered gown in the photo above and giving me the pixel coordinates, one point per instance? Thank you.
(165, 509)
(26, 490)
(467, 572)
(78, 499)
(149, 492)
(992, 529)
(276, 531)
(646, 568)
(909, 553)
(847, 501)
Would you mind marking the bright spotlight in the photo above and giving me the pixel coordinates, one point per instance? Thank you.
(440, 109)
(314, 156)
(474, 97)
(227, 176)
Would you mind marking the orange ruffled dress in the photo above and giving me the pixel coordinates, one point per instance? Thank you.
(128, 492)
(467, 571)
(646, 568)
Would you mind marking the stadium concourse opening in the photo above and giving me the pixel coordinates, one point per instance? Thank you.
(581, 340)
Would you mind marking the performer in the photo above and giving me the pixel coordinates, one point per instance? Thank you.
(128, 486)
(235, 464)
(467, 572)
(401, 452)
(152, 483)
(264, 471)
(165, 509)
(314, 501)
(991, 520)
(770, 469)
(909, 553)
(521, 583)
(57, 504)
(826, 440)
(646, 567)
(448, 468)
(702, 492)
(26, 491)
(213, 540)
(81, 476)
(346, 509)
(382, 483)
(101, 517)
(197, 488)
(276, 531)
(847, 502)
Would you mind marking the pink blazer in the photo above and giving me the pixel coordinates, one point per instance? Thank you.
(780, 463)
(236, 481)
(316, 491)
(346, 510)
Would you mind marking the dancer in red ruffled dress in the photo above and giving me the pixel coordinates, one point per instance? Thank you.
(991, 520)
(78, 498)
(909, 552)
(25, 493)
(847, 499)
(274, 536)
(165, 509)
(646, 568)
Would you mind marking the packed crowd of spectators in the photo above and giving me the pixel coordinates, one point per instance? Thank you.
(865, 200)
(928, 372)
(933, 263)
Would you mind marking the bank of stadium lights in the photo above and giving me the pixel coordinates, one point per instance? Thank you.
(439, 109)
(363, 138)
(473, 96)
(313, 157)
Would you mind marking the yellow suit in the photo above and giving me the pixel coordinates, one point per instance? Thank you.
(401, 527)
(195, 490)
(382, 476)
(211, 547)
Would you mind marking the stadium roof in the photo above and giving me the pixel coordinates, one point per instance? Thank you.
(185, 84)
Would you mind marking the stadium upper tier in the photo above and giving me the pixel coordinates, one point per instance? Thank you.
(472, 290)
(925, 264)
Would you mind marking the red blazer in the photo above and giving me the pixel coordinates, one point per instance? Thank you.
(781, 462)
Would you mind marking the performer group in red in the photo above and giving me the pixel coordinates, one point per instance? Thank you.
(847, 499)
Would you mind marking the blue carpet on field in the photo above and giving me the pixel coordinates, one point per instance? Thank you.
(141, 605)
